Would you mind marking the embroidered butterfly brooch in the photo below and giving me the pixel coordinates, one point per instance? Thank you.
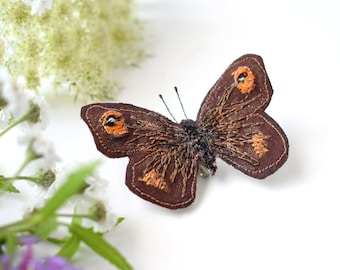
(166, 157)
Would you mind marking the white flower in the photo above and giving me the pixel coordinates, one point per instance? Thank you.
(106, 218)
(97, 214)
(95, 190)
(3, 118)
(41, 150)
(38, 198)
(21, 105)
(97, 194)
(14, 103)
(46, 149)
(97, 187)
(5, 82)
(38, 106)
(93, 204)
(38, 6)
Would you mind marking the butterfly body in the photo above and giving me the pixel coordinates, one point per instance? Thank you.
(165, 157)
(199, 145)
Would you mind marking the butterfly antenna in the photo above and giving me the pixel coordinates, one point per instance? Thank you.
(166, 106)
(180, 101)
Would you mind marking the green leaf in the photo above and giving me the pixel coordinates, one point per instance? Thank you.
(8, 187)
(100, 246)
(11, 243)
(45, 228)
(70, 247)
(58, 241)
(74, 183)
(119, 220)
(72, 244)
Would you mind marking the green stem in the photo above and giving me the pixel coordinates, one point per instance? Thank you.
(23, 165)
(23, 118)
(20, 226)
(30, 156)
(9, 127)
(28, 178)
(77, 216)
(73, 185)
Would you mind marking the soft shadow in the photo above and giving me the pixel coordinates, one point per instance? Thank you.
(201, 188)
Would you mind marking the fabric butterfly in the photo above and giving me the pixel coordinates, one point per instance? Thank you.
(166, 157)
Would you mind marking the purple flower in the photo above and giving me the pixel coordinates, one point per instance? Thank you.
(54, 263)
(28, 253)
(28, 262)
(29, 240)
(5, 261)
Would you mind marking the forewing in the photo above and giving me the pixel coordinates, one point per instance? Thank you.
(163, 178)
(243, 89)
(122, 129)
(233, 119)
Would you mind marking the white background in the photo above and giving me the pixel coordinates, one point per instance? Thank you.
(289, 220)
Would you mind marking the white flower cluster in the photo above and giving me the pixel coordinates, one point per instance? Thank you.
(28, 111)
(94, 200)
(15, 102)
(91, 204)
(93, 195)
(38, 6)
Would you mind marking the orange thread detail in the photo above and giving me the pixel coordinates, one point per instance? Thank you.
(259, 144)
(152, 178)
(114, 124)
(244, 79)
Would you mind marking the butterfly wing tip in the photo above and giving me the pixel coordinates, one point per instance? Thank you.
(83, 111)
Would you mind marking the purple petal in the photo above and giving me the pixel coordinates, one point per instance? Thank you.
(27, 257)
(4, 260)
(55, 263)
(29, 240)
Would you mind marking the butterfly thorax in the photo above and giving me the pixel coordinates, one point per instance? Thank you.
(200, 145)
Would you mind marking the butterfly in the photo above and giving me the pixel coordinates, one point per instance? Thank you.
(165, 157)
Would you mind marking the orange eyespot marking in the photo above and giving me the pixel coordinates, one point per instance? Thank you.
(244, 79)
(114, 124)
(152, 178)
(259, 144)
